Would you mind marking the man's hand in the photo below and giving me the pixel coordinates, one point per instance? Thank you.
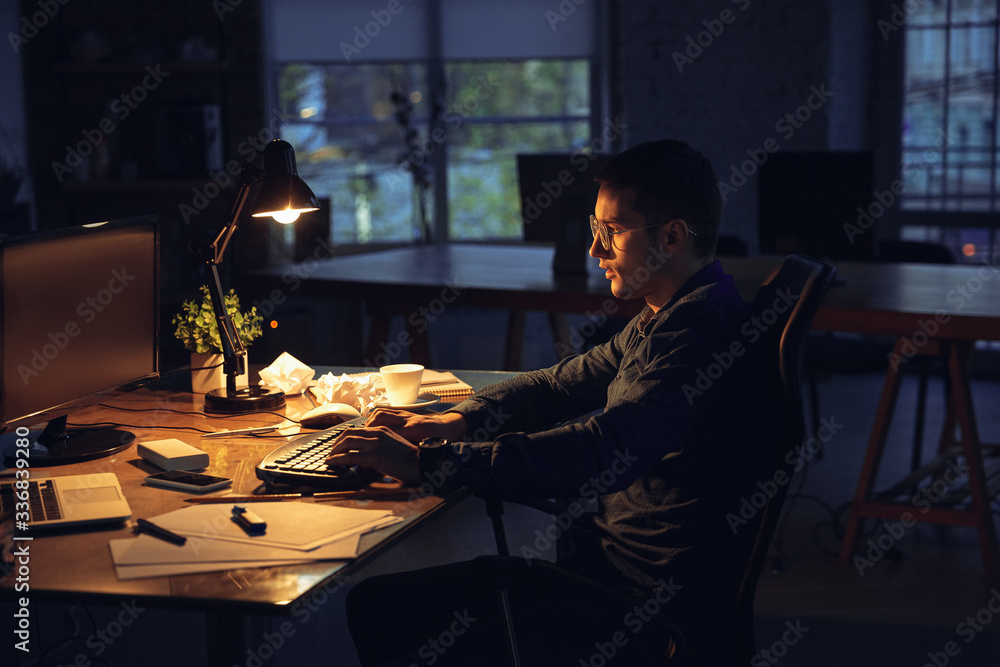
(377, 447)
(414, 427)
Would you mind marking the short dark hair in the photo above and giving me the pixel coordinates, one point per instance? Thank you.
(673, 179)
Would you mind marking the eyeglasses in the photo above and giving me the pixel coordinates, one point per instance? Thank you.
(598, 227)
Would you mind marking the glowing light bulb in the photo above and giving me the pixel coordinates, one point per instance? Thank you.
(286, 217)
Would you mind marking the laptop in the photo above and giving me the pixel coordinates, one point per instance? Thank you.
(71, 500)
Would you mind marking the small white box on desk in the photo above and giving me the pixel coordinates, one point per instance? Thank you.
(173, 454)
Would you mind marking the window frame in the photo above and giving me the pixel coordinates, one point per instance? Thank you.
(888, 96)
(599, 114)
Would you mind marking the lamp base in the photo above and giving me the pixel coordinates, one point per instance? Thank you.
(254, 399)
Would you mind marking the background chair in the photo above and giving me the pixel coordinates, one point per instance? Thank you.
(779, 353)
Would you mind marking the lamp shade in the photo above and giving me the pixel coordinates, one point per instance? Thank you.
(282, 193)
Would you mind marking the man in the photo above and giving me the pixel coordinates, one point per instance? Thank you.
(663, 459)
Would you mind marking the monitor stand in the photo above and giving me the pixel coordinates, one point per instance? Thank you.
(56, 446)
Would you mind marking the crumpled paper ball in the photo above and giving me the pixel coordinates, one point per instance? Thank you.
(360, 391)
(287, 374)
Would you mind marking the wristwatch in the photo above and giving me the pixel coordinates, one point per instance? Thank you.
(433, 443)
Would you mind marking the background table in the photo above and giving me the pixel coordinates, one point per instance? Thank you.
(873, 298)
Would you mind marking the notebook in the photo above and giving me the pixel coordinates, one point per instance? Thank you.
(443, 384)
(67, 501)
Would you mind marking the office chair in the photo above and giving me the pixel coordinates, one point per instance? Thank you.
(780, 351)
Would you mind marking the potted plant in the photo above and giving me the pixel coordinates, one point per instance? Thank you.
(198, 330)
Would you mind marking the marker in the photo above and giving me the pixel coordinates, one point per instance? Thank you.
(248, 521)
(152, 529)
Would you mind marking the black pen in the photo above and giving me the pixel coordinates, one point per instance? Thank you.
(151, 528)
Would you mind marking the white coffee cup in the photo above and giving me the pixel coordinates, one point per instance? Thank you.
(402, 382)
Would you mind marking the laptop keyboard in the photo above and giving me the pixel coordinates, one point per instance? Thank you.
(43, 504)
(303, 462)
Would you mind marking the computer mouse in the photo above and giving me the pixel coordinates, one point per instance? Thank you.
(327, 415)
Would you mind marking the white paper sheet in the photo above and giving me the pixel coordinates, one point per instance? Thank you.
(290, 525)
(126, 572)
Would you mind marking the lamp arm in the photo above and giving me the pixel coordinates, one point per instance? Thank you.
(233, 352)
(250, 176)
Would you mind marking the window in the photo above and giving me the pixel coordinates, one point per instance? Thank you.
(410, 146)
(949, 143)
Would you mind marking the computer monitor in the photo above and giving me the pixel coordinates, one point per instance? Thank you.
(80, 324)
(558, 194)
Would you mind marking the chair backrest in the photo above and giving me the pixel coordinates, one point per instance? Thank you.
(808, 281)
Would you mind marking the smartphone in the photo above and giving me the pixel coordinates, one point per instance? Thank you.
(193, 482)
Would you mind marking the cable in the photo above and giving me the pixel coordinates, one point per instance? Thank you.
(188, 412)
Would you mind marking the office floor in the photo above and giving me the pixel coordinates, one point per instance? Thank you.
(908, 608)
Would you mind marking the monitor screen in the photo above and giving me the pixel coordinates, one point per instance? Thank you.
(80, 324)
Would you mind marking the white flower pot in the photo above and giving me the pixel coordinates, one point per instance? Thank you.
(205, 378)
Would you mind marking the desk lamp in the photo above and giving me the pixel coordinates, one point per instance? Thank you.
(283, 196)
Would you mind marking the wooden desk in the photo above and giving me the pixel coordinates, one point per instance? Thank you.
(930, 309)
(75, 564)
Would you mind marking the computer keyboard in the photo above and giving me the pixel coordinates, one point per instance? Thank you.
(303, 462)
(42, 501)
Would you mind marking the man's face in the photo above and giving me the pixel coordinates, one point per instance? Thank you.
(632, 263)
